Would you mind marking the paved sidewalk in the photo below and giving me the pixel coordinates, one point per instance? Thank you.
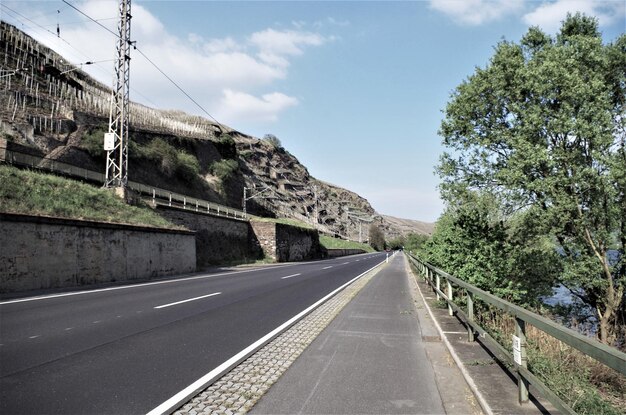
(376, 357)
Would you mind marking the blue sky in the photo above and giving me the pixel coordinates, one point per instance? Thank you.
(355, 89)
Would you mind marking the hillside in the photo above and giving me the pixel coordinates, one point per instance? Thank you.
(61, 113)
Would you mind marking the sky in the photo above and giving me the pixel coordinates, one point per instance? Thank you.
(354, 89)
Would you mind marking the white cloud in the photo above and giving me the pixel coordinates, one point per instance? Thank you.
(275, 46)
(239, 106)
(549, 15)
(209, 69)
(476, 12)
(227, 44)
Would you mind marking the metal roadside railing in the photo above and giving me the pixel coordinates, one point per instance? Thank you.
(159, 196)
(437, 279)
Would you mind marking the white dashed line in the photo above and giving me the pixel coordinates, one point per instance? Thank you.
(34, 337)
(290, 276)
(328, 267)
(185, 301)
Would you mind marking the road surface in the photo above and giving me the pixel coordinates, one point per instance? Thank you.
(127, 349)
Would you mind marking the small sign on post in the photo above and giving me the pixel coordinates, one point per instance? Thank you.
(109, 141)
(517, 350)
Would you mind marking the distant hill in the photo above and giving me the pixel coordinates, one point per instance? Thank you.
(62, 113)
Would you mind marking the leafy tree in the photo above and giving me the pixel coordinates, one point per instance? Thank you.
(543, 128)
(274, 141)
(475, 242)
(397, 243)
(376, 238)
(415, 241)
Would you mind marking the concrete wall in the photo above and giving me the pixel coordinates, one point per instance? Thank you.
(218, 239)
(39, 252)
(286, 243)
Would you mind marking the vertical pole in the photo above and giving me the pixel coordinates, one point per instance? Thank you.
(244, 201)
(470, 316)
(522, 384)
(450, 310)
(438, 285)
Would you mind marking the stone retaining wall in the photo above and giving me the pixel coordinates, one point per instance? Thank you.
(40, 252)
(219, 239)
(285, 243)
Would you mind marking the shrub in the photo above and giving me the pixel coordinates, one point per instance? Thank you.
(93, 142)
(226, 147)
(224, 169)
(188, 167)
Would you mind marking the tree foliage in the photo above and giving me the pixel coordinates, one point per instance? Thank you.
(543, 128)
(376, 238)
(274, 141)
(475, 242)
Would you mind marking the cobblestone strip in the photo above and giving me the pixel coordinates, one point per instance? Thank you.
(238, 390)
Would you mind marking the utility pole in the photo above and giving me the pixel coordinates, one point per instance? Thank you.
(116, 140)
(315, 205)
(246, 198)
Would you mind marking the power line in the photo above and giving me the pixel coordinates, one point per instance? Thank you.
(91, 18)
(151, 62)
(89, 58)
(33, 22)
(177, 86)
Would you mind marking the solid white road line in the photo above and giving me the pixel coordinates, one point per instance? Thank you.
(184, 395)
(290, 276)
(186, 301)
(126, 287)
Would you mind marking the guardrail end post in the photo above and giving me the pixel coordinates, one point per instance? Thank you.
(450, 310)
(522, 383)
(470, 316)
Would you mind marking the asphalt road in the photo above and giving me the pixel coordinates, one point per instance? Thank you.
(127, 349)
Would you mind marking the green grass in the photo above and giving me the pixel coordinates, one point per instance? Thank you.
(329, 242)
(285, 221)
(35, 193)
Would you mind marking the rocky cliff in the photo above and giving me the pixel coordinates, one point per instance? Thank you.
(62, 112)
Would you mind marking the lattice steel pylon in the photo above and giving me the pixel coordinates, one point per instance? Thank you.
(116, 140)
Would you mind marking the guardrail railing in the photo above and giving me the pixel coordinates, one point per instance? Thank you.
(159, 196)
(440, 280)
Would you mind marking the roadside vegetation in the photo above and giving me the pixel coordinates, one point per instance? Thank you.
(534, 180)
(329, 242)
(377, 238)
(34, 193)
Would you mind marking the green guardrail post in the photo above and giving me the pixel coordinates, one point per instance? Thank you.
(470, 316)
(520, 358)
(450, 310)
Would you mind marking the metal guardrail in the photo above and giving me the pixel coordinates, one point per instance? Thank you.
(159, 196)
(436, 278)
